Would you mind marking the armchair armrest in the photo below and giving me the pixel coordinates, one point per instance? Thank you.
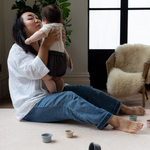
(110, 63)
(146, 69)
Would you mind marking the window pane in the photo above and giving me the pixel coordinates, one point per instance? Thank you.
(104, 4)
(139, 3)
(104, 32)
(139, 26)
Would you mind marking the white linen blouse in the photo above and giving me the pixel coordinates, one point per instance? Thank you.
(25, 80)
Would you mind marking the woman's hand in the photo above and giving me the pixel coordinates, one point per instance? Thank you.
(52, 37)
(63, 36)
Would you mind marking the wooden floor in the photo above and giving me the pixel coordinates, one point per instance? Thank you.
(6, 102)
(135, 100)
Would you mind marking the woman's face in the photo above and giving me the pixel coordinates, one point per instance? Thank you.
(31, 22)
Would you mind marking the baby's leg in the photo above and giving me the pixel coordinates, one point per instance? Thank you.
(50, 84)
(59, 83)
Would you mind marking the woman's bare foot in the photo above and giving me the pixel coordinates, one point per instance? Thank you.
(124, 125)
(137, 110)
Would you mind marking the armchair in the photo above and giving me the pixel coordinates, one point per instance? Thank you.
(128, 70)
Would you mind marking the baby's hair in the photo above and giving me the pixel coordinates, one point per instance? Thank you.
(52, 13)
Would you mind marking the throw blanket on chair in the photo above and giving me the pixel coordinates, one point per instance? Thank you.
(126, 77)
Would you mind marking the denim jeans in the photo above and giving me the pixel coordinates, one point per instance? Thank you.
(81, 103)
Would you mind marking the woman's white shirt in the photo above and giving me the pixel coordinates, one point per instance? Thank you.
(25, 80)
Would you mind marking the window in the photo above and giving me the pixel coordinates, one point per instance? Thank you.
(114, 22)
(111, 23)
(104, 27)
(104, 3)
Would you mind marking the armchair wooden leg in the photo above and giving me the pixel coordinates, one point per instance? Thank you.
(146, 94)
(143, 95)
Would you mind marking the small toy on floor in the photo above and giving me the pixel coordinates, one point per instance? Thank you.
(94, 146)
(46, 137)
(69, 133)
(133, 117)
(148, 123)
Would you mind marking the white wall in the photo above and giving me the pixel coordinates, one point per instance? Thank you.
(78, 49)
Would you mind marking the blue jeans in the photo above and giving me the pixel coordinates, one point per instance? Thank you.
(81, 103)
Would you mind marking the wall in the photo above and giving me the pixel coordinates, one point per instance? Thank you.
(3, 73)
(79, 46)
(78, 49)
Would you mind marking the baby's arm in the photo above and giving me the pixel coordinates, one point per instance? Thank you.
(35, 37)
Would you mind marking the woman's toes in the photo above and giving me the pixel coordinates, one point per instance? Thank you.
(140, 126)
(137, 128)
(142, 111)
(138, 110)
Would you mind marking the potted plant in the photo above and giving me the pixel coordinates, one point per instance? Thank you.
(39, 4)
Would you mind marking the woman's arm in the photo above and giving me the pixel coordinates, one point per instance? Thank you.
(68, 58)
(67, 55)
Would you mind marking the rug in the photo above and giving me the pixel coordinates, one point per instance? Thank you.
(15, 135)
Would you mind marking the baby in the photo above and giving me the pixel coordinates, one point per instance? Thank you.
(57, 61)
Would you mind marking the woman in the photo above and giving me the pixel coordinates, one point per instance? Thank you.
(30, 98)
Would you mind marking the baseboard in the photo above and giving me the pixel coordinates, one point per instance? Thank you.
(4, 86)
(72, 79)
(77, 79)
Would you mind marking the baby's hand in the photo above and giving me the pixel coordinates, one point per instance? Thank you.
(27, 41)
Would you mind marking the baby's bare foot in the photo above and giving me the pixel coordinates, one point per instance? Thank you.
(137, 110)
(125, 125)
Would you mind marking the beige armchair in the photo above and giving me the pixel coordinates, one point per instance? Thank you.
(128, 70)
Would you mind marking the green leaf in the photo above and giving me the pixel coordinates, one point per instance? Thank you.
(65, 10)
(28, 7)
(68, 32)
(68, 25)
(69, 40)
(36, 8)
(40, 1)
(61, 1)
(64, 16)
(50, 1)
(21, 1)
(14, 6)
(68, 21)
(65, 5)
(67, 44)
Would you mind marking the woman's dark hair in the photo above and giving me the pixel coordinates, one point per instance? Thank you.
(18, 34)
(52, 13)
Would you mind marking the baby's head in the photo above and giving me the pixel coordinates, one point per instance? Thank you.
(52, 14)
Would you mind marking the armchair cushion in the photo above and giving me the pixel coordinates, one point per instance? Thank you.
(120, 83)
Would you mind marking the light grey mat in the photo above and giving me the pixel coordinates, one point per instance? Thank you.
(15, 135)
